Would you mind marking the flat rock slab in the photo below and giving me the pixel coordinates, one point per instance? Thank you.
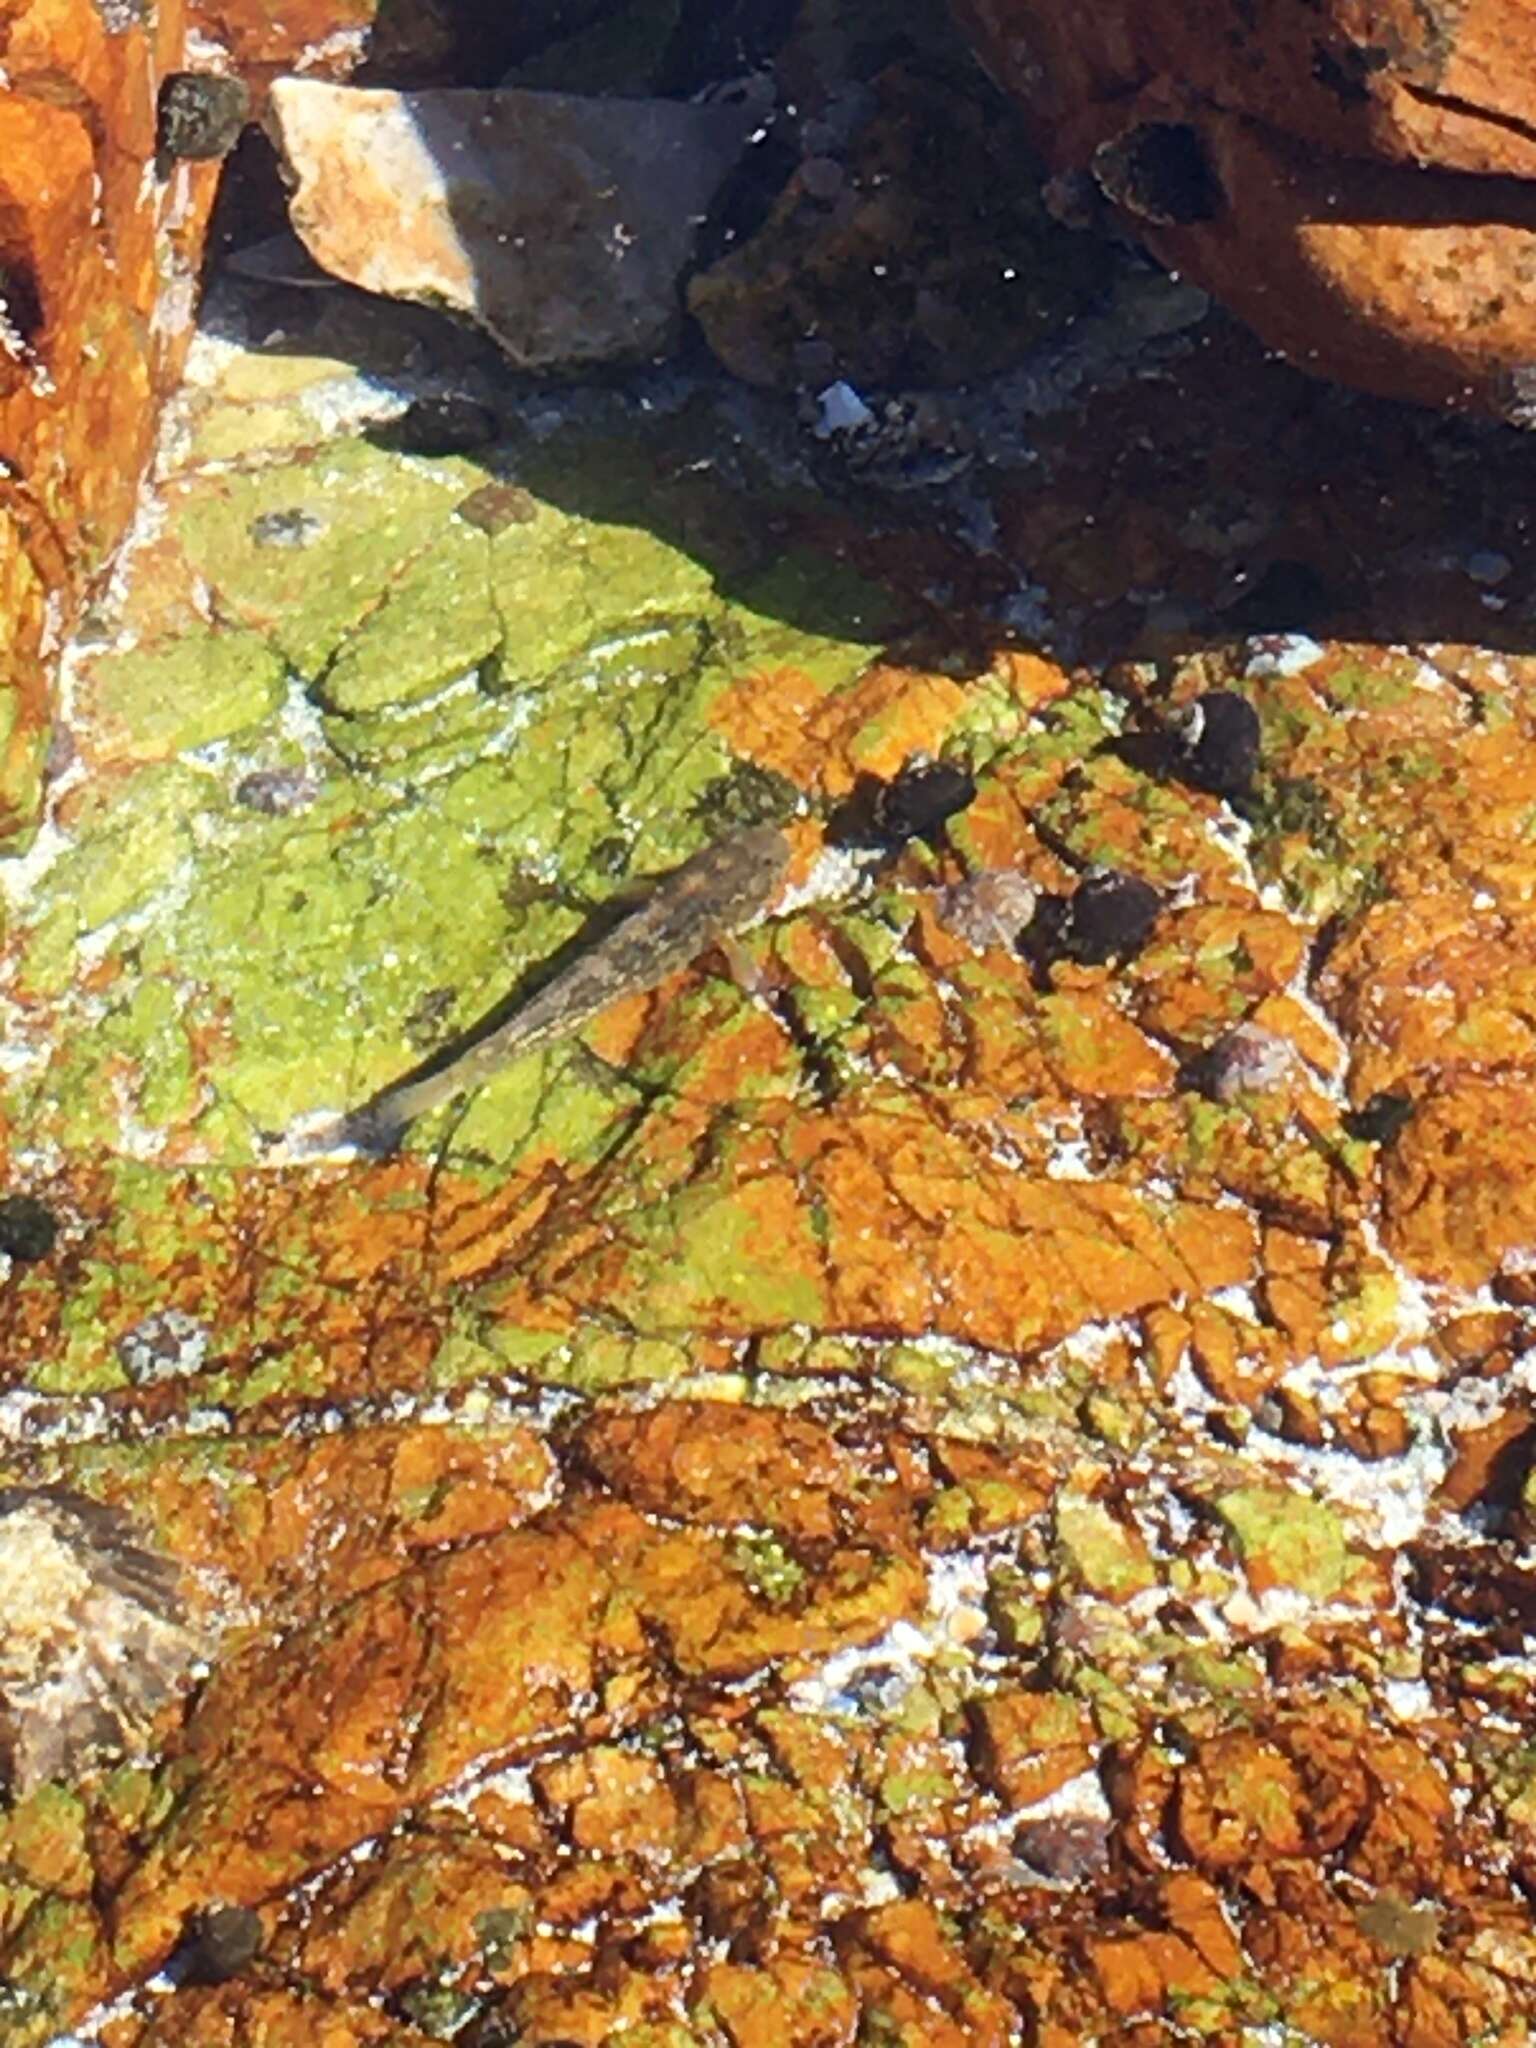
(560, 224)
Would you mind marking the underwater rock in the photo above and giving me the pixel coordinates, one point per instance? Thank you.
(910, 256)
(1316, 168)
(560, 224)
(99, 269)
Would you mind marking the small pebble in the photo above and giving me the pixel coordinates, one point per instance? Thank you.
(989, 909)
(1245, 1061)
(1487, 566)
(28, 1228)
(840, 410)
(821, 177)
(495, 507)
(276, 792)
(447, 425)
(167, 1345)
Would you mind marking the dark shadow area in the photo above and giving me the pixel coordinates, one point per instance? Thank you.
(1120, 494)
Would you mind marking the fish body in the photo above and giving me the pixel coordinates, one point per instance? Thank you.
(710, 897)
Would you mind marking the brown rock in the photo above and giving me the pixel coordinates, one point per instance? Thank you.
(1312, 167)
(488, 1651)
(1491, 1459)
(1028, 1744)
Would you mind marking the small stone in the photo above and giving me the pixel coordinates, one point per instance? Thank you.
(168, 1345)
(222, 1943)
(1216, 741)
(1071, 1850)
(495, 507)
(1288, 597)
(1403, 1927)
(448, 425)
(1488, 566)
(28, 1228)
(1245, 1061)
(822, 178)
(840, 410)
(290, 527)
(199, 115)
(276, 792)
(1109, 917)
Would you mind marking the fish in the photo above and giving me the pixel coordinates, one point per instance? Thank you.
(712, 896)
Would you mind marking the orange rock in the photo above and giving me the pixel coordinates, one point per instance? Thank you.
(788, 2003)
(1239, 1801)
(1459, 1183)
(614, 1802)
(234, 2014)
(486, 1652)
(1309, 167)
(1029, 1743)
(909, 1937)
(824, 740)
(99, 256)
(723, 1463)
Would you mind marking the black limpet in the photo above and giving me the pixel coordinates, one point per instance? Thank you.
(1380, 1118)
(199, 115)
(919, 802)
(286, 526)
(1216, 743)
(447, 425)
(1109, 917)
(28, 1228)
(222, 1942)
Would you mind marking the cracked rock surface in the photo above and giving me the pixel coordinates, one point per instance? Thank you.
(959, 1470)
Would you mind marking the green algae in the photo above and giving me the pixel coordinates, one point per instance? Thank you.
(360, 516)
(201, 687)
(1099, 1552)
(1288, 1539)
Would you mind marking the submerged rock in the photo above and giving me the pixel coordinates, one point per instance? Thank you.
(560, 224)
(910, 256)
(1359, 184)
